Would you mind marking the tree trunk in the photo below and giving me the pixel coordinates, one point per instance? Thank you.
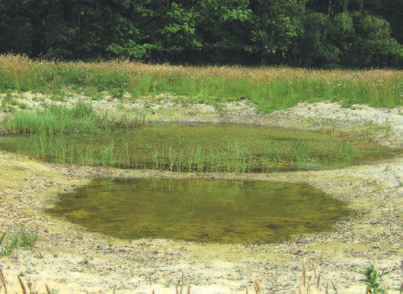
(329, 7)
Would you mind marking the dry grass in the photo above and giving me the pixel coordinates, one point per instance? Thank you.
(304, 287)
(22, 65)
(270, 88)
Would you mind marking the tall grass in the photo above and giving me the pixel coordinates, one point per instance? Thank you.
(193, 159)
(270, 88)
(52, 121)
(60, 120)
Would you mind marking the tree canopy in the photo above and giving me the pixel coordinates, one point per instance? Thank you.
(307, 33)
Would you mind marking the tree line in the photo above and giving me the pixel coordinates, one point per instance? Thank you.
(306, 33)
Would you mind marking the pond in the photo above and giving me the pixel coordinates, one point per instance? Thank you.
(202, 148)
(200, 210)
(195, 210)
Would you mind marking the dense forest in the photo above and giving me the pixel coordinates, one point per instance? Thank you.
(302, 33)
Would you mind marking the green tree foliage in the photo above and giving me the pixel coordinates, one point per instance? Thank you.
(88, 29)
(391, 11)
(373, 44)
(21, 30)
(313, 49)
(178, 38)
(310, 33)
(224, 27)
(343, 33)
(277, 24)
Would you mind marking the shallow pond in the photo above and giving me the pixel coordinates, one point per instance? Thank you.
(200, 210)
(203, 147)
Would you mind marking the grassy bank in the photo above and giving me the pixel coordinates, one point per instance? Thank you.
(269, 88)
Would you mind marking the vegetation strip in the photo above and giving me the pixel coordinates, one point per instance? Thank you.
(77, 135)
(269, 88)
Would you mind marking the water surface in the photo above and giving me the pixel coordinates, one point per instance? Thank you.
(200, 210)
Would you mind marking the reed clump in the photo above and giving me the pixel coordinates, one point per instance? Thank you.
(112, 152)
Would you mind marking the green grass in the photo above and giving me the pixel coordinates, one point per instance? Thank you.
(269, 88)
(60, 120)
(371, 278)
(21, 240)
(133, 143)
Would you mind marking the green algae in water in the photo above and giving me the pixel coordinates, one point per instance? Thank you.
(199, 210)
(203, 147)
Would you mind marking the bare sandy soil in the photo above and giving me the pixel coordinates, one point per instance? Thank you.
(73, 260)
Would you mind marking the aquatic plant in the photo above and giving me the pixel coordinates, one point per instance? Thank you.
(160, 147)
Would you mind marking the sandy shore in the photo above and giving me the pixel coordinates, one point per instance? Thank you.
(71, 259)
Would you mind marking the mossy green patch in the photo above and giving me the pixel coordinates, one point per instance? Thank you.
(200, 210)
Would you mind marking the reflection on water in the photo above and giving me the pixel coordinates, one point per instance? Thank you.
(200, 210)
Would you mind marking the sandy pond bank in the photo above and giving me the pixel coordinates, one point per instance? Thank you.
(73, 260)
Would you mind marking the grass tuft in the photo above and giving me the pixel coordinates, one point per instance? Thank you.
(60, 120)
(21, 240)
